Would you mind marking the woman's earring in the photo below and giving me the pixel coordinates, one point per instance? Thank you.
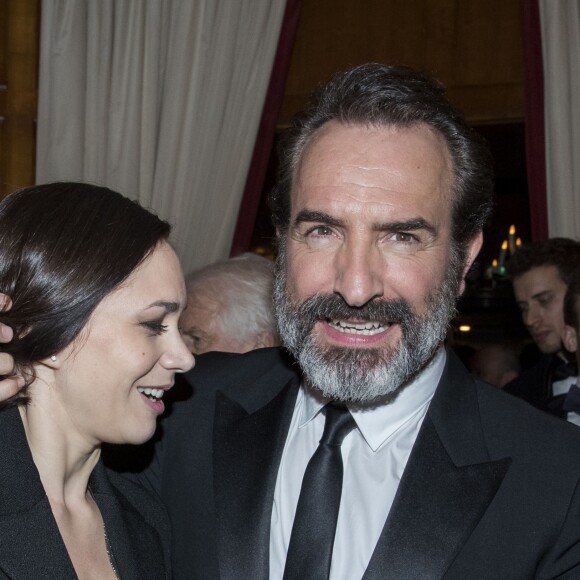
(53, 358)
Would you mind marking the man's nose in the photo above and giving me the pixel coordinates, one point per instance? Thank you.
(531, 316)
(360, 272)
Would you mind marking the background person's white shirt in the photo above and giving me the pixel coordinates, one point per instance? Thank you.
(374, 457)
(561, 388)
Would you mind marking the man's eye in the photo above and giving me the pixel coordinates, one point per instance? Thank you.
(320, 231)
(404, 237)
(191, 338)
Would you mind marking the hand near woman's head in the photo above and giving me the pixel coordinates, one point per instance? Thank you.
(9, 384)
(5, 331)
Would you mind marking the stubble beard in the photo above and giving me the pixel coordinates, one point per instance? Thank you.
(363, 375)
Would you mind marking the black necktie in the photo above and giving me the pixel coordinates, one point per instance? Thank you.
(312, 538)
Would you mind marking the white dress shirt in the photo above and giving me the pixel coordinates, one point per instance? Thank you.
(374, 457)
(561, 388)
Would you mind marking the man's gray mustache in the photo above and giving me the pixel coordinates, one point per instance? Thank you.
(333, 307)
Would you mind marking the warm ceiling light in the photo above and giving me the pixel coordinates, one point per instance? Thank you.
(465, 328)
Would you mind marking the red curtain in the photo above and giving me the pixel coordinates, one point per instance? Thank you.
(266, 131)
(534, 118)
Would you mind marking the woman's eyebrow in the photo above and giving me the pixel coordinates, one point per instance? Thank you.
(166, 305)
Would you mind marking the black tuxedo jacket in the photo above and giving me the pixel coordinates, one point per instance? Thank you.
(490, 490)
(31, 546)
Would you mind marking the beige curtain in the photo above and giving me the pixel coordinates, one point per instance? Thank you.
(560, 26)
(161, 100)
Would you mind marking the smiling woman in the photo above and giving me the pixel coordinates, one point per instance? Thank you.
(96, 293)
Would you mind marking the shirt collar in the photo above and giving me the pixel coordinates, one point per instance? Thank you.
(378, 423)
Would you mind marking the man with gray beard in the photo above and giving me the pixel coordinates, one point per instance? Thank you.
(362, 376)
(364, 449)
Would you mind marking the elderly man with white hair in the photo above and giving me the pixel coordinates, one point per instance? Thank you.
(229, 306)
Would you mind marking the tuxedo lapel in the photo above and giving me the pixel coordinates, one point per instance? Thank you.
(247, 451)
(434, 512)
(446, 487)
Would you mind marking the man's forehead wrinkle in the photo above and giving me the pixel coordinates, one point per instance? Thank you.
(356, 203)
(350, 178)
(332, 146)
(356, 173)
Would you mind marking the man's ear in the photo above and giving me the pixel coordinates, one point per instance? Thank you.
(570, 338)
(473, 248)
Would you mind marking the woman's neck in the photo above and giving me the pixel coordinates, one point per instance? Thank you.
(65, 455)
(64, 461)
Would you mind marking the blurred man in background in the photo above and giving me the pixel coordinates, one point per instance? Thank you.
(540, 273)
(496, 364)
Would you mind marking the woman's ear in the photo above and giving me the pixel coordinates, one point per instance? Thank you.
(52, 362)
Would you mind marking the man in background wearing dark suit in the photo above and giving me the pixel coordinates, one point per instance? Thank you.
(540, 273)
(421, 470)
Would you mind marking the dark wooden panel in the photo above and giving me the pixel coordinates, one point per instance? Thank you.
(3, 81)
(489, 47)
(20, 58)
(473, 47)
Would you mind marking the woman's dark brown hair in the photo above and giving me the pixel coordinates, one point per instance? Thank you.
(63, 248)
